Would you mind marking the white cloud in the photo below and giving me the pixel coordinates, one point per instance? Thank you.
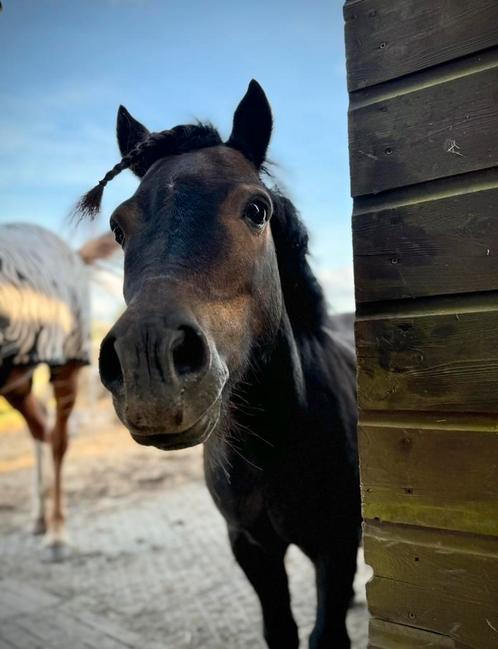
(338, 284)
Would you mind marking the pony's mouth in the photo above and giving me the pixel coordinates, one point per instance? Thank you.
(196, 434)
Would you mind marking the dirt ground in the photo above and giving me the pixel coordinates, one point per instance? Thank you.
(149, 564)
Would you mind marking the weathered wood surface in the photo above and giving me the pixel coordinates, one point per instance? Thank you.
(441, 477)
(445, 361)
(446, 128)
(386, 39)
(423, 135)
(459, 566)
(428, 247)
(386, 635)
(472, 624)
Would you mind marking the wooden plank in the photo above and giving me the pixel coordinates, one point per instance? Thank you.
(386, 635)
(422, 607)
(432, 132)
(403, 480)
(416, 513)
(434, 247)
(442, 362)
(386, 39)
(453, 565)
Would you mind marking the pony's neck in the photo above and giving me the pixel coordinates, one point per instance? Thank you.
(273, 390)
(261, 408)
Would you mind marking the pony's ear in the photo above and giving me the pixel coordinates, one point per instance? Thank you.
(129, 131)
(252, 124)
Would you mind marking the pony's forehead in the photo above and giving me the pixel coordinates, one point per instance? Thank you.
(217, 163)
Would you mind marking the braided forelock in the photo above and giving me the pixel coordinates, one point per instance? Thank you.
(144, 154)
(89, 204)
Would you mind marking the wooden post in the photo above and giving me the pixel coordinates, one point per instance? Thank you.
(423, 137)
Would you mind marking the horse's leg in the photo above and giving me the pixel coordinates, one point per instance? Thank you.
(335, 573)
(266, 571)
(40, 526)
(18, 392)
(64, 381)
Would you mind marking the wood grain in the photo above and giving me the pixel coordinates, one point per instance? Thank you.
(423, 141)
(434, 247)
(433, 132)
(386, 39)
(431, 477)
(425, 608)
(452, 565)
(386, 635)
(441, 362)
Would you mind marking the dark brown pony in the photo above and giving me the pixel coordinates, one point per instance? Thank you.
(226, 341)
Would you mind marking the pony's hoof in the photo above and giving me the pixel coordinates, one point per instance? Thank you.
(56, 552)
(57, 547)
(40, 526)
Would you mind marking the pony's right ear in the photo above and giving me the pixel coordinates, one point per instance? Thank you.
(129, 131)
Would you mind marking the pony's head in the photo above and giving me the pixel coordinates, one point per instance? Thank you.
(202, 281)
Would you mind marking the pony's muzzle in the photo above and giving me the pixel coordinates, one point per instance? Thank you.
(162, 373)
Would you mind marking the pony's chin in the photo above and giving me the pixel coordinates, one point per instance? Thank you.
(165, 441)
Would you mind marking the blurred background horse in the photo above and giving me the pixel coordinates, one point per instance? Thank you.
(45, 319)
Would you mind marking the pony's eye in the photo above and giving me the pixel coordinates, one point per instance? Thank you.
(118, 233)
(257, 212)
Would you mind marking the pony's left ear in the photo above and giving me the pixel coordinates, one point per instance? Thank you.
(252, 124)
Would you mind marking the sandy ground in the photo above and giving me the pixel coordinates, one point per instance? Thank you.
(149, 563)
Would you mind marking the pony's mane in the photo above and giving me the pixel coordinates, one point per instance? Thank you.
(180, 139)
(303, 295)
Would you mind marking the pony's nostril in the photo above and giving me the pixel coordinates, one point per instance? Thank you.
(109, 365)
(189, 351)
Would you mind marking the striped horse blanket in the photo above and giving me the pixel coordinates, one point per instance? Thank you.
(44, 299)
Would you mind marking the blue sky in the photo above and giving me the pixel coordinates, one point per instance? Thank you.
(65, 66)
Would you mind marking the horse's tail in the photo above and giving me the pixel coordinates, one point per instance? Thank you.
(98, 248)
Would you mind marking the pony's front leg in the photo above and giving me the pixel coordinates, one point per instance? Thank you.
(57, 536)
(64, 380)
(265, 569)
(335, 573)
(40, 526)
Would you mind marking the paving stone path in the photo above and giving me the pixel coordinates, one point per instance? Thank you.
(149, 566)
